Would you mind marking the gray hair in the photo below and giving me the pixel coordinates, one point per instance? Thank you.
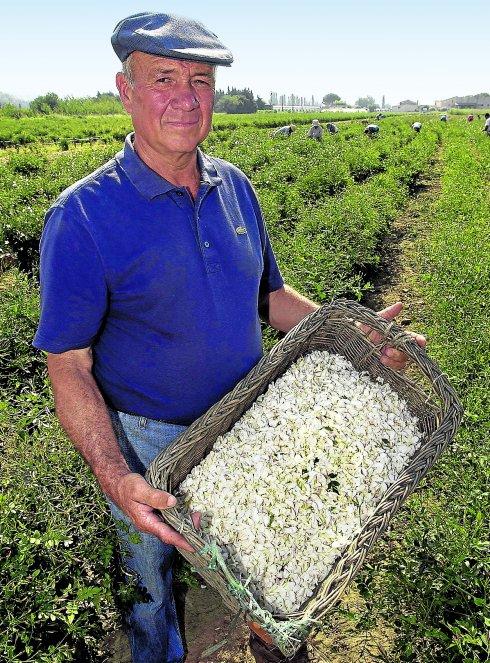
(127, 69)
(128, 73)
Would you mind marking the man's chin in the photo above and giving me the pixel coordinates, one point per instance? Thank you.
(182, 146)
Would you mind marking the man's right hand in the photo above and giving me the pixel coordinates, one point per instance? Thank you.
(139, 500)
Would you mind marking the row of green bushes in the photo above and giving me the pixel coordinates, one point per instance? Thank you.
(290, 175)
(430, 578)
(64, 129)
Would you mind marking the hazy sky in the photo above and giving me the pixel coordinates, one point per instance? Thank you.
(406, 50)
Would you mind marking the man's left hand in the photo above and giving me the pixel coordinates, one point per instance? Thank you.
(391, 357)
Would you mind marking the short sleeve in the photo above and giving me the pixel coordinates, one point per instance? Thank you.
(271, 276)
(74, 293)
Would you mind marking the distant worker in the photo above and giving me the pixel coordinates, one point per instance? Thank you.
(487, 124)
(470, 118)
(315, 131)
(371, 130)
(444, 118)
(284, 131)
(380, 116)
(417, 126)
(332, 128)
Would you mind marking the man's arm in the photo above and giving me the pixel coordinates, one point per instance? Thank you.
(286, 308)
(83, 414)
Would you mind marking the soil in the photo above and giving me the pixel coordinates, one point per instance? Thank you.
(396, 275)
(207, 619)
(208, 624)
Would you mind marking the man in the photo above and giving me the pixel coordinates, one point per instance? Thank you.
(153, 272)
(332, 128)
(371, 130)
(417, 126)
(486, 126)
(470, 118)
(315, 131)
(444, 118)
(284, 131)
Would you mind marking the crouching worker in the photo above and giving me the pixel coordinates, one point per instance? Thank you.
(287, 130)
(371, 130)
(486, 126)
(315, 131)
(417, 126)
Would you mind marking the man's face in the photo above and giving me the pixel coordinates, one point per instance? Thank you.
(170, 102)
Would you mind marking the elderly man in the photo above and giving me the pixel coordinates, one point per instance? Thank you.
(154, 269)
(315, 131)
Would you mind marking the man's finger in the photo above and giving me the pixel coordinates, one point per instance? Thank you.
(158, 499)
(393, 353)
(393, 364)
(421, 340)
(390, 312)
(134, 487)
(196, 519)
(149, 521)
(168, 535)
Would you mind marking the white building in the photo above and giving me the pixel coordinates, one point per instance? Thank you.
(481, 100)
(408, 106)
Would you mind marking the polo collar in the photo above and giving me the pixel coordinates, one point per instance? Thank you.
(148, 182)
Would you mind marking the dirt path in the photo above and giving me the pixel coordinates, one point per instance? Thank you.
(207, 620)
(396, 274)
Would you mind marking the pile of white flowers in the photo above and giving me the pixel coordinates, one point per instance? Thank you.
(296, 478)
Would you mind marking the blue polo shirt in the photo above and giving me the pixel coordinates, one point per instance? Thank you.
(164, 289)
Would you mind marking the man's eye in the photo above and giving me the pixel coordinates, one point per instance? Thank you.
(201, 81)
(164, 79)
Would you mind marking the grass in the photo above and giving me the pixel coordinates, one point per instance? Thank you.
(327, 206)
(430, 578)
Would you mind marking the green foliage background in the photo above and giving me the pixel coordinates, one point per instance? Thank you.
(327, 205)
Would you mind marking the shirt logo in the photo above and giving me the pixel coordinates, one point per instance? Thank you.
(241, 230)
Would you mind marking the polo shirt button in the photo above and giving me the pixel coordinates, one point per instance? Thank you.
(179, 193)
(206, 244)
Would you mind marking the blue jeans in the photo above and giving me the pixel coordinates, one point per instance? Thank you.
(153, 626)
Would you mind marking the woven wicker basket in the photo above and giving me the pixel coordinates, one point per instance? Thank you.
(429, 397)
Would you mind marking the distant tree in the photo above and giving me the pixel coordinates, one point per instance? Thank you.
(235, 103)
(104, 103)
(106, 95)
(366, 102)
(262, 105)
(46, 103)
(330, 98)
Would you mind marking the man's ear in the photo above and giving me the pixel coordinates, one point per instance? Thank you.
(125, 91)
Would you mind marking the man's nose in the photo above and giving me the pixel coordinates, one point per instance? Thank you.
(185, 98)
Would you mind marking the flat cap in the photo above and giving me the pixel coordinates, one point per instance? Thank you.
(169, 36)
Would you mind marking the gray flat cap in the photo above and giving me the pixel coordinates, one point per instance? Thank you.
(169, 36)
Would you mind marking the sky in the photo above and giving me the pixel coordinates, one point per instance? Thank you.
(404, 50)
